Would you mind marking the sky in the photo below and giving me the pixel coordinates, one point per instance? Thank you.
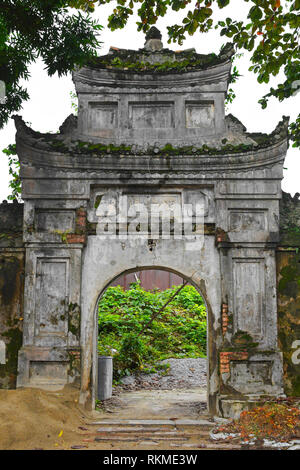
(50, 101)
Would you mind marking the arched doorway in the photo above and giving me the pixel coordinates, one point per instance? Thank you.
(169, 324)
(122, 257)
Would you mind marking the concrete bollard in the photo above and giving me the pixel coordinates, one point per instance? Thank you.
(105, 375)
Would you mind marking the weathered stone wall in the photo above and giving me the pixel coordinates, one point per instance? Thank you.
(288, 292)
(147, 137)
(11, 291)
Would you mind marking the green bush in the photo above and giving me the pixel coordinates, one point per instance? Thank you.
(179, 331)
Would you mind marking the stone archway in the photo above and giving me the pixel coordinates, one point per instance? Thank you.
(212, 365)
(153, 137)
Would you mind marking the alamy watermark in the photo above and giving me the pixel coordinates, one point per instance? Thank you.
(123, 219)
(296, 353)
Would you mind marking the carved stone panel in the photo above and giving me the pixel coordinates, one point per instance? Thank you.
(149, 115)
(151, 201)
(247, 220)
(54, 189)
(103, 116)
(200, 114)
(249, 294)
(248, 223)
(251, 377)
(41, 371)
(51, 220)
(51, 297)
(248, 188)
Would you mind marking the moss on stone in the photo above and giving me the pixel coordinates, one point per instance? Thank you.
(74, 363)
(74, 319)
(288, 263)
(54, 143)
(289, 282)
(168, 150)
(63, 234)
(241, 341)
(169, 61)
(14, 337)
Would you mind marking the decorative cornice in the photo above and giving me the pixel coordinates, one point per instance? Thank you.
(260, 158)
(35, 151)
(150, 80)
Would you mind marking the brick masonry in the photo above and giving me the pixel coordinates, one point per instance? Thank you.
(80, 228)
(227, 356)
(225, 318)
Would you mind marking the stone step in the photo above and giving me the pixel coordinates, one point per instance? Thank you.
(206, 446)
(137, 438)
(153, 431)
(139, 432)
(177, 434)
(111, 429)
(154, 422)
(154, 435)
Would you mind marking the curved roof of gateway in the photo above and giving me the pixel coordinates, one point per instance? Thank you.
(160, 61)
(158, 64)
(238, 141)
(173, 104)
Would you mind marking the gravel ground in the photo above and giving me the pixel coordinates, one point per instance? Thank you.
(182, 374)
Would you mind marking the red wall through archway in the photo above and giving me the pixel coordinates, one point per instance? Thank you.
(150, 279)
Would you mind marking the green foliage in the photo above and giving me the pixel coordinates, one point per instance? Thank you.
(74, 102)
(14, 172)
(34, 28)
(179, 331)
(295, 132)
(85, 5)
(235, 75)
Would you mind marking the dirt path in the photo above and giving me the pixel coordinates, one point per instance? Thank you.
(34, 419)
(39, 419)
(158, 404)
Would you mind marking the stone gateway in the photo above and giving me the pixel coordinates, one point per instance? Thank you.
(151, 127)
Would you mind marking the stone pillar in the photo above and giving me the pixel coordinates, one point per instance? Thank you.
(247, 233)
(54, 235)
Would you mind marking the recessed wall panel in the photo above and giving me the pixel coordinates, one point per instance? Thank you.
(151, 115)
(51, 220)
(200, 114)
(247, 220)
(249, 295)
(51, 296)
